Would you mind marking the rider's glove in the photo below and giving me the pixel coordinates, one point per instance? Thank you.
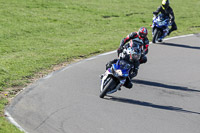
(155, 13)
(119, 50)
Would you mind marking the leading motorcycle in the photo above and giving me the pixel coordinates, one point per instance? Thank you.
(160, 28)
(115, 76)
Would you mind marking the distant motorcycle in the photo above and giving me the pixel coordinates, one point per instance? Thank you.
(160, 28)
(115, 76)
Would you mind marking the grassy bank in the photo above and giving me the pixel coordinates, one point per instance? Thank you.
(36, 35)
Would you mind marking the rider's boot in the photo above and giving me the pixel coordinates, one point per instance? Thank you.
(169, 32)
(159, 40)
(128, 83)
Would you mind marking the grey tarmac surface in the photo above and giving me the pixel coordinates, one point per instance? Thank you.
(165, 97)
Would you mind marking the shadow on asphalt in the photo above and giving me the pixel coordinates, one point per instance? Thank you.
(162, 85)
(147, 104)
(179, 45)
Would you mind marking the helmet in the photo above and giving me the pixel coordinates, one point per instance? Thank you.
(137, 53)
(143, 32)
(134, 53)
(165, 4)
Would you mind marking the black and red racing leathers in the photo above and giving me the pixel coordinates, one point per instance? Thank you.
(135, 38)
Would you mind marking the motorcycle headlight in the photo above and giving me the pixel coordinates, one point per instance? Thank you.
(161, 23)
(119, 72)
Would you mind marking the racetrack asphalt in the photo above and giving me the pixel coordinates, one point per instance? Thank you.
(165, 97)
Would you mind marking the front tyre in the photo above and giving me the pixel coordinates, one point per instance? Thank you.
(110, 83)
(155, 35)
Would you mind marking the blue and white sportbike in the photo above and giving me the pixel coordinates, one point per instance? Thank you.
(115, 76)
(160, 28)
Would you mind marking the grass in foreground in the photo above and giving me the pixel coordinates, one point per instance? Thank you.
(35, 35)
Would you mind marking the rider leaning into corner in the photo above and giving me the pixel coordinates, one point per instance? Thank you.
(167, 11)
(140, 38)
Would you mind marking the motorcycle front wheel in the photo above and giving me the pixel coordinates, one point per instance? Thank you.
(156, 34)
(109, 86)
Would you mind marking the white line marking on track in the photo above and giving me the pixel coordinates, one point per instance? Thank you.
(9, 117)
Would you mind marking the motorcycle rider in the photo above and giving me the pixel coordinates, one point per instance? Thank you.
(167, 11)
(139, 38)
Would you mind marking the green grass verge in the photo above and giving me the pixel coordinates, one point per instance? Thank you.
(6, 127)
(38, 34)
